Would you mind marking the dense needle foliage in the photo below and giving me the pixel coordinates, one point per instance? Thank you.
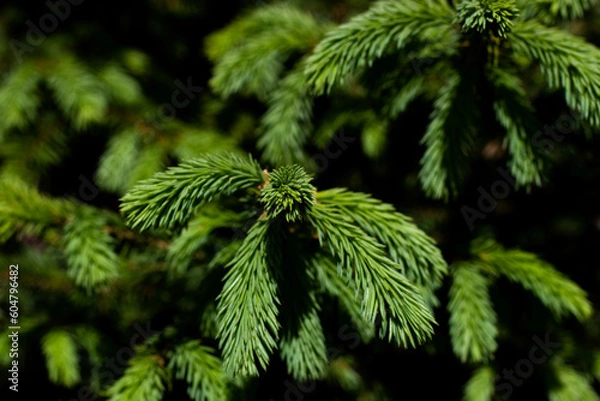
(279, 200)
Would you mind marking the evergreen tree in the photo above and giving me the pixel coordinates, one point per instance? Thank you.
(191, 231)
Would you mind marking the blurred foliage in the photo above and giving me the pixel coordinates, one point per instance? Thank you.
(157, 260)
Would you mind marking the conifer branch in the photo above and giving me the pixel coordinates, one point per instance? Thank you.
(201, 369)
(78, 92)
(480, 386)
(515, 114)
(407, 245)
(388, 25)
(254, 53)
(62, 360)
(144, 379)
(24, 209)
(89, 250)
(571, 385)
(287, 123)
(449, 139)
(550, 11)
(473, 321)
(170, 198)
(566, 61)
(19, 97)
(248, 303)
(304, 349)
(197, 233)
(335, 285)
(383, 290)
(561, 295)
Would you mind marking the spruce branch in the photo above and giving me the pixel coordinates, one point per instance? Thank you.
(405, 95)
(494, 17)
(480, 386)
(449, 138)
(144, 379)
(303, 349)
(201, 369)
(335, 285)
(515, 113)
(473, 321)
(253, 63)
(571, 385)
(170, 198)
(118, 161)
(24, 209)
(62, 360)
(407, 245)
(19, 97)
(122, 88)
(383, 290)
(288, 194)
(388, 25)
(286, 125)
(302, 345)
(550, 11)
(89, 250)
(78, 92)
(197, 233)
(566, 62)
(556, 291)
(248, 303)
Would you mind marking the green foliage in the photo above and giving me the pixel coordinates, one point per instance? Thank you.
(487, 16)
(551, 11)
(515, 113)
(24, 209)
(287, 123)
(169, 199)
(250, 53)
(62, 360)
(288, 194)
(449, 139)
(197, 233)
(554, 289)
(248, 304)
(89, 250)
(473, 321)
(114, 170)
(122, 88)
(201, 369)
(78, 92)
(144, 379)
(415, 252)
(299, 262)
(388, 25)
(19, 97)
(337, 286)
(384, 291)
(480, 386)
(566, 62)
(303, 344)
(571, 385)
